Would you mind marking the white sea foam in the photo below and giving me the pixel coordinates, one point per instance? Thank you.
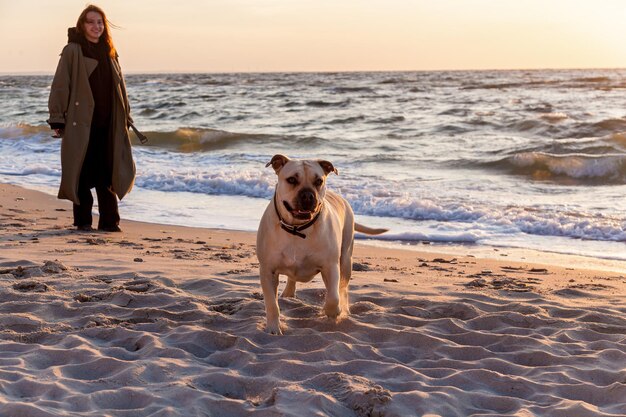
(462, 237)
(243, 183)
(33, 170)
(483, 219)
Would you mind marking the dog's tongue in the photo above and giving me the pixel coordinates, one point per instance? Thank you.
(298, 214)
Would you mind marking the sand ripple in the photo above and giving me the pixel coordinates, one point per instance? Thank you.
(132, 345)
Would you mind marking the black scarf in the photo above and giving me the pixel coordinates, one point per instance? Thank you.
(100, 80)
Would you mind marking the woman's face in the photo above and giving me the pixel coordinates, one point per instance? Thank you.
(93, 26)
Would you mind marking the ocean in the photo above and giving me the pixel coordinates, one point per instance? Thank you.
(501, 159)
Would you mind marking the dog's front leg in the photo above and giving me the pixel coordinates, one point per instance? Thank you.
(331, 281)
(269, 284)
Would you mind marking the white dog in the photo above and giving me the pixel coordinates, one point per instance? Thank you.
(306, 230)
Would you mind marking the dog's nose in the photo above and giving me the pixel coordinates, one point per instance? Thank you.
(307, 199)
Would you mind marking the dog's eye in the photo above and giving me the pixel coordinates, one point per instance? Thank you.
(292, 180)
(318, 182)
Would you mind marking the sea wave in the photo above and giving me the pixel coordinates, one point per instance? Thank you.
(560, 125)
(578, 168)
(596, 83)
(191, 140)
(599, 79)
(323, 103)
(243, 183)
(348, 89)
(486, 219)
(22, 130)
(184, 139)
(619, 139)
(32, 170)
(553, 117)
(387, 120)
(509, 85)
(347, 120)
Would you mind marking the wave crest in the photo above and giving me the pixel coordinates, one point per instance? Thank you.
(190, 140)
(195, 139)
(21, 130)
(576, 167)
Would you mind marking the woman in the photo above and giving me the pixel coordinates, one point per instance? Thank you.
(89, 110)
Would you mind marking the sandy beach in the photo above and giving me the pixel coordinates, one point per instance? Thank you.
(169, 321)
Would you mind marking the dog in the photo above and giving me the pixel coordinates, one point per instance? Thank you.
(305, 230)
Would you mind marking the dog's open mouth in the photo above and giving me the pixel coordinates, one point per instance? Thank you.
(299, 213)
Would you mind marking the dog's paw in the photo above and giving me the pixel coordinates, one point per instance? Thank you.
(332, 310)
(274, 329)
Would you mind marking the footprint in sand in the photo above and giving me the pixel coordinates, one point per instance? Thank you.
(30, 286)
(357, 393)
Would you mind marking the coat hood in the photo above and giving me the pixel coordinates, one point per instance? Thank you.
(73, 36)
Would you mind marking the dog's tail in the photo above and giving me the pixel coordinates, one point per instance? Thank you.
(368, 230)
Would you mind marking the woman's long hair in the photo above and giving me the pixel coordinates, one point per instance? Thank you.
(106, 33)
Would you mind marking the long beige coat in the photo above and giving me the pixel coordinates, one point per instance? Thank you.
(71, 102)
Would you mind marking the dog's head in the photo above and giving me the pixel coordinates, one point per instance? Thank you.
(301, 186)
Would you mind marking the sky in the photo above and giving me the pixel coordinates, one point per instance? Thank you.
(326, 35)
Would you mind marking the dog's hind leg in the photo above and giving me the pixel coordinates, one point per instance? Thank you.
(331, 281)
(290, 289)
(344, 282)
(345, 265)
(344, 302)
(269, 284)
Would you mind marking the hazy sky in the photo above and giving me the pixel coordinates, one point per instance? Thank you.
(326, 35)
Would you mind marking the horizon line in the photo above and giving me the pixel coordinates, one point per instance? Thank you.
(156, 72)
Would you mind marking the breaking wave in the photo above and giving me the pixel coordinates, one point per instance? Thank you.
(581, 168)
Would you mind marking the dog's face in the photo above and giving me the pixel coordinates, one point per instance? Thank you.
(301, 186)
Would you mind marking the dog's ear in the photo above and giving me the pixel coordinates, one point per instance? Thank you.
(278, 161)
(328, 167)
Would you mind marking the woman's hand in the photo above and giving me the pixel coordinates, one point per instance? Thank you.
(58, 133)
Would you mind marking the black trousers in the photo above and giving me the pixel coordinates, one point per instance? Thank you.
(97, 172)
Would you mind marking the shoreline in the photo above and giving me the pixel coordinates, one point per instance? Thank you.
(423, 249)
(502, 253)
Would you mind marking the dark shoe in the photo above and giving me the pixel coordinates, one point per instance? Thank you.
(84, 228)
(110, 229)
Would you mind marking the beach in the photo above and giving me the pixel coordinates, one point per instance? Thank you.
(486, 139)
(164, 320)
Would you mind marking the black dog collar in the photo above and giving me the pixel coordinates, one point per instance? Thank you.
(295, 229)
